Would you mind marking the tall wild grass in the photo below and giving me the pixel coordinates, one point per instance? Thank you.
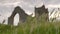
(32, 26)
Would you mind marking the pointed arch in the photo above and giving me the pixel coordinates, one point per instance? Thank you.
(22, 15)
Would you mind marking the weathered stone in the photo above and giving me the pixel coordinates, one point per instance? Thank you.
(22, 15)
(40, 11)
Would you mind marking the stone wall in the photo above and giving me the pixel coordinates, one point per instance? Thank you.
(40, 11)
(22, 15)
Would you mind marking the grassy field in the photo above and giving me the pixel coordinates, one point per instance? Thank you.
(32, 26)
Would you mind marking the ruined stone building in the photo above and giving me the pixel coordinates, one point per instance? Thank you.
(40, 11)
(22, 15)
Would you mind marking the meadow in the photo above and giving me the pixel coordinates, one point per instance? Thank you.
(32, 26)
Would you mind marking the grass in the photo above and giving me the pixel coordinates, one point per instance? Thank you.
(32, 26)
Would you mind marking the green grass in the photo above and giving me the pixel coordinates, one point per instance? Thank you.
(32, 26)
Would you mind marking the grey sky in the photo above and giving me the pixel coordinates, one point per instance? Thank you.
(7, 6)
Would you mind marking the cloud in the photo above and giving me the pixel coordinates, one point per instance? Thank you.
(53, 6)
(52, 3)
(9, 4)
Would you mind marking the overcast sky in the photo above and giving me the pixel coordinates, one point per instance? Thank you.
(7, 6)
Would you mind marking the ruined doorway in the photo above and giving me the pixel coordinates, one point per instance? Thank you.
(22, 15)
(16, 19)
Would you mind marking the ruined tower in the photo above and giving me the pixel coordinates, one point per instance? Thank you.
(22, 15)
(40, 11)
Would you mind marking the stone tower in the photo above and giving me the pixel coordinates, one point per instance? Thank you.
(22, 15)
(40, 11)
